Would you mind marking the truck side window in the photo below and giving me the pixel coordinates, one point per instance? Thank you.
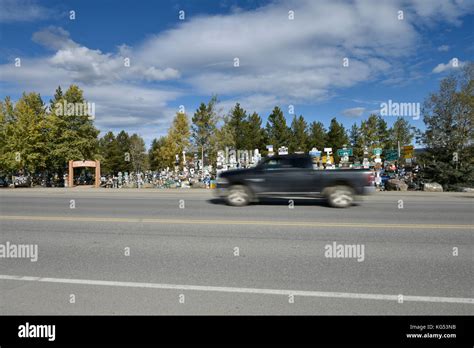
(285, 163)
(273, 163)
(301, 163)
(277, 163)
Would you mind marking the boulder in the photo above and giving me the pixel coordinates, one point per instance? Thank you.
(185, 184)
(396, 185)
(432, 187)
(467, 189)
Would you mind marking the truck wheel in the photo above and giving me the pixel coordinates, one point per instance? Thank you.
(238, 196)
(340, 196)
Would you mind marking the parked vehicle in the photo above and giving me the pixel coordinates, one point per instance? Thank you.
(293, 176)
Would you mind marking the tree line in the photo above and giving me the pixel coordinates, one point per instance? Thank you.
(209, 132)
(35, 138)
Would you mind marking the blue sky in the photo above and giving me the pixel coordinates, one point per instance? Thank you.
(282, 61)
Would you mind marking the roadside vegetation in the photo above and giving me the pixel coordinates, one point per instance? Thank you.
(34, 138)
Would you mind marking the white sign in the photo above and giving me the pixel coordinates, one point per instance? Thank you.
(365, 163)
(283, 150)
(270, 150)
(315, 152)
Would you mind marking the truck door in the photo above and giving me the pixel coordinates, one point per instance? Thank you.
(277, 176)
(304, 176)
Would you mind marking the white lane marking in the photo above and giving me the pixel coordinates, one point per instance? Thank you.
(346, 295)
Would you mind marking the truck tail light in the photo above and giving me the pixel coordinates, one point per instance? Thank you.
(371, 179)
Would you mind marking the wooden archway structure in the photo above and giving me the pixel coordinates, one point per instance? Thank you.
(82, 164)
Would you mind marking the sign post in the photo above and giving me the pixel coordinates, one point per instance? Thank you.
(408, 151)
(365, 162)
(328, 159)
(377, 152)
(270, 150)
(344, 154)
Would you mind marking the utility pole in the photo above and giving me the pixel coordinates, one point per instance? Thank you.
(202, 161)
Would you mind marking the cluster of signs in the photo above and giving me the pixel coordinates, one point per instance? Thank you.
(390, 155)
(190, 167)
(230, 159)
(325, 158)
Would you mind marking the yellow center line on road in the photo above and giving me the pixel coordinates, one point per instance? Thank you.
(234, 222)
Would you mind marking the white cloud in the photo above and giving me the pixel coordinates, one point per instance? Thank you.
(296, 61)
(454, 63)
(443, 48)
(54, 38)
(299, 60)
(353, 112)
(368, 102)
(441, 10)
(22, 11)
(122, 95)
(282, 61)
(254, 103)
(90, 66)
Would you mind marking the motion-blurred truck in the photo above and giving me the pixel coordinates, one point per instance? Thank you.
(293, 176)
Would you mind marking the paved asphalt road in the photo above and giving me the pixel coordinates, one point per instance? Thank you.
(189, 254)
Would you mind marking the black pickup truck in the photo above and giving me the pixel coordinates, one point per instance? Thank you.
(293, 176)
